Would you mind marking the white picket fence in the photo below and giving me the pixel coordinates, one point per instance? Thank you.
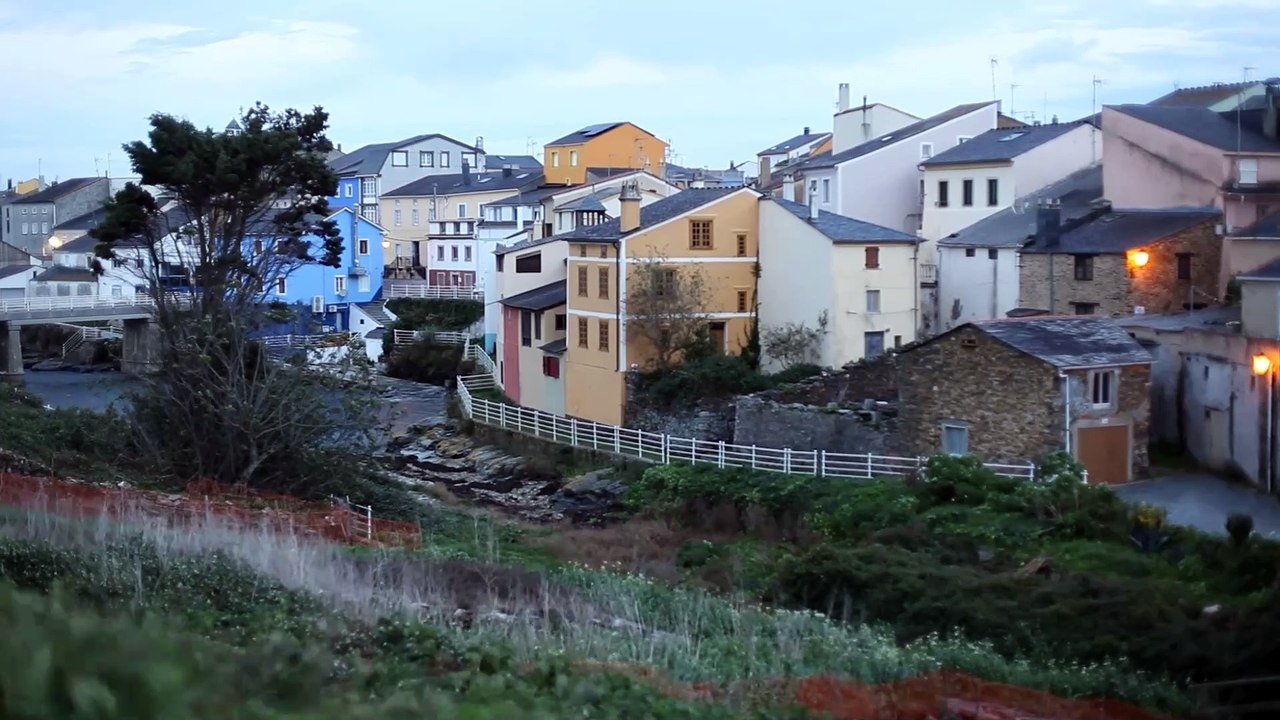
(326, 340)
(665, 449)
(435, 292)
(405, 337)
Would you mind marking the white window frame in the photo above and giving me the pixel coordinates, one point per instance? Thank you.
(462, 210)
(362, 246)
(368, 187)
(396, 214)
(44, 228)
(873, 301)
(466, 253)
(26, 228)
(426, 158)
(826, 191)
(573, 158)
(444, 158)
(339, 285)
(953, 425)
(399, 158)
(1103, 385)
(555, 158)
(470, 159)
(363, 283)
(1247, 171)
(347, 190)
(413, 216)
(926, 151)
(440, 253)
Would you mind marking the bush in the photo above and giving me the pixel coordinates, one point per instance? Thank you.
(426, 362)
(716, 376)
(434, 314)
(1239, 528)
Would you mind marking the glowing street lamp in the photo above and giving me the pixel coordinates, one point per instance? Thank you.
(385, 243)
(1140, 258)
(1261, 364)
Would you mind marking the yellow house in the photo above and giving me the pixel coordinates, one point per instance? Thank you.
(606, 145)
(712, 232)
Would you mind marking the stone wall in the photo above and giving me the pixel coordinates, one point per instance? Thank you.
(703, 419)
(1157, 287)
(875, 379)
(768, 423)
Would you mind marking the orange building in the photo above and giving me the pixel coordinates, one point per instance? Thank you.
(605, 145)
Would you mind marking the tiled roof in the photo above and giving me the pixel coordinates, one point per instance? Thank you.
(1202, 96)
(58, 190)
(1116, 231)
(540, 298)
(368, 160)
(556, 347)
(60, 273)
(1068, 342)
(1268, 227)
(456, 184)
(1217, 130)
(1012, 226)
(841, 229)
(578, 137)
(11, 270)
(801, 140)
(1268, 271)
(1001, 145)
(866, 148)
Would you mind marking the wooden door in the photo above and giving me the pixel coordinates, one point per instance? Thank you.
(1104, 451)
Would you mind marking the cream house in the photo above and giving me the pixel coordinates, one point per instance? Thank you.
(853, 282)
(528, 274)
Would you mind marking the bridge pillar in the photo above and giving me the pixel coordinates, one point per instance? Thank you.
(140, 347)
(10, 352)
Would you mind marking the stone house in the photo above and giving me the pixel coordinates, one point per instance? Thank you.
(1121, 262)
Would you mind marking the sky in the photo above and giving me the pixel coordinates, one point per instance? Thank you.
(720, 80)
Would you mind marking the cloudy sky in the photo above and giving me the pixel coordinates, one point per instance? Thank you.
(720, 79)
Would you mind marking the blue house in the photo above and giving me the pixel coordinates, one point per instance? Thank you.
(337, 299)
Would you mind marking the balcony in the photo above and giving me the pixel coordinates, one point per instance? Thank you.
(451, 229)
(928, 274)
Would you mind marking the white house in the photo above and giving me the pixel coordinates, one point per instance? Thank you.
(978, 264)
(854, 125)
(14, 279)
(982, 176)
(772, 158)
(851, 282)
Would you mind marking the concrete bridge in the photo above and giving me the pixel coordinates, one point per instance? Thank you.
(137, 313)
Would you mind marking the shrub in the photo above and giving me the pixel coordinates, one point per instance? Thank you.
(436, 314)
(715, 376)
(426, 362)
(1239, 528)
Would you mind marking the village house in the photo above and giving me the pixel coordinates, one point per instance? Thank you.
(621, 145)
(534, 326)
(366, 173)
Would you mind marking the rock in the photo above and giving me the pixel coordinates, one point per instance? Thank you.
(591, 495)
(1211, 610)
(49, 365)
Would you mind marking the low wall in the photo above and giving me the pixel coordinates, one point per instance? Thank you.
(767, 423)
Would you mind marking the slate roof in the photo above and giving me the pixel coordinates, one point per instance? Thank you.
(60, 273)
(1268, 227)
(1268, 271)
(54, 192)
(376, 312)
(840, 229)
(527, 162)
(582, 135)
(870, 146)
(1217, 130)
(532, 196)
(1116, 231)
(11, 270)
(1001, 145)
(1012, 226)
(368, 160)
(585, 203)
(87, 221)
(556, 347)
(1201, 96)
(801, 140)
(540, 298)
(1068, 342)
(455, 184)
(83, 244)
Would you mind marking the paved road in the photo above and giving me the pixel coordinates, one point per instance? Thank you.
(1205, 501)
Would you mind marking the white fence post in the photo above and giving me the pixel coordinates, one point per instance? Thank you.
(617, 440)
(869, 475)
(721, 449)
(666, 449)
(753, 457)
(821, 470)
(502, 415)
(786, 461)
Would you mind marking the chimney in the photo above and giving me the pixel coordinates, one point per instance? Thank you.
(766, 172)
(629, 199)
(813, 207)
(466, 173)
(1048, 222)
(843, 103)
(789, 187)
(507, 170)
(806, 129)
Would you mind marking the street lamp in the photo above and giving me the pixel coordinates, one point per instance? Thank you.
(1262, 367)
(1261, 364)
(1141, 258)
(385, 243)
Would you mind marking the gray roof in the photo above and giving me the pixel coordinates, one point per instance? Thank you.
(841, 229)
(1001, 145)
(233, 125)
(58, 190)
(1267, 271)
(801, 140)
(67, 274)
(1116, 231)
(527, 162)
(376, 334)
(556, 347)
(377, 311)
(578, 137)
(1012, 226)
(87, 221)
(1220, 319)
(1203, 95)
(1068, 342)
(1268, 227)
(456, 184)
(824, 160)
(540, 298)
(532, 196)
(83, 244)
(11, 270)
(1217, 130)
(586, 202)
(368, 160)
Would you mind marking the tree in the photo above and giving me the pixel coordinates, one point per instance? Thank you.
(234, 215)
(666, 308)
(795, 343)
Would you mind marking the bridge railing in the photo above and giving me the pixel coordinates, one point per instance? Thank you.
(81, 302)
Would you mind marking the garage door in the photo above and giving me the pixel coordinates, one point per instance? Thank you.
(12, 293)
(1104, 451)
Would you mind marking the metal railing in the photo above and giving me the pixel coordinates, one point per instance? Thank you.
(325, 340)
(85, 334)
(405, 337)
(86, 302)
(665, 449)
(435, 292)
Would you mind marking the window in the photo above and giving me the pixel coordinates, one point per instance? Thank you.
(468, 159)
(1102, 388)
(526, 328)
(604, 251)
(1084, 267)
(551, 366)
(500, 258)
(26, 228)
(955, 439)
(1247, 171)
(453, 253)
(604, 334)
(368, 187)
(363, 283)
(897, 341)
(926, 150)
(942, 193)
(742, 301)
(873, 301)
(970, 252)
(537, 325)
(426, 158)
(395, 214)
(1084, 308)
(466, 253)
(339, 285)
(462, 210)
(699, 234)
(742, 245)
(993, 192)
(873, 258)
(257, 246)
(582, 251)
(413, 216)
(555, 159)
(604, 282)
(582, 281)
(531, 263)
(369, 212)
(1184, 266)
(440, 253)
(665, 282)
(826, 191)
(44, 228)
(582, 332)
(993, 254)
(44, 210)
(363, 246)
(560, 322)
(24, 210)
(399, 158)
(873, 343)
(347, 190)
(573, 158)
(444, 158)
(281, 287)
(966, 193)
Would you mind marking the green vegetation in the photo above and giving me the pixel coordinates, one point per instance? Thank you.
(1053, 571)
(425, 360)
(435, 315)
(75, 442)
(715, 376)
